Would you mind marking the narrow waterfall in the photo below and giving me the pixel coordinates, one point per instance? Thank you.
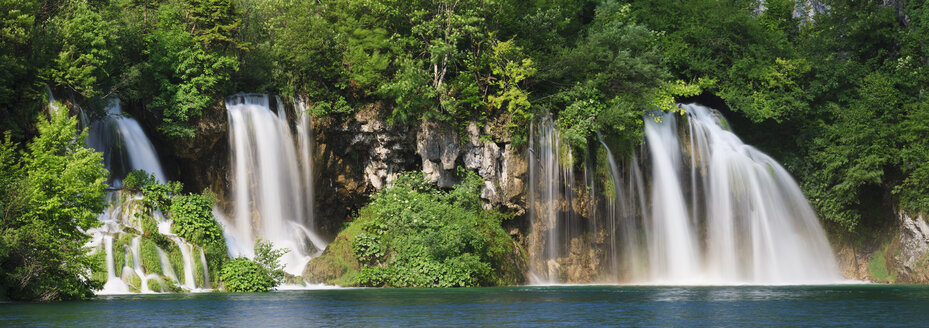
(124, 145)
(552, 203)
(271, 179)
(702, 207)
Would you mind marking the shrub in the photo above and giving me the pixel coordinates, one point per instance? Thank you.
(193, 220)
(413, 235)
(244, 275)
(138, 179)
(268, 257)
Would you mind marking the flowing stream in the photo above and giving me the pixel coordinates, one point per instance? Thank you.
(702, 208)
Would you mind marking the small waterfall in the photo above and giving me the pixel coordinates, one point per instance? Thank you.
(114, 285)
(552, 200)
(166, 266)
(124, 145)
(206, 273)
(702, 208)
(626, 259)
(272, 179)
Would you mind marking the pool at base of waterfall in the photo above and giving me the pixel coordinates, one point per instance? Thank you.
(535, 306)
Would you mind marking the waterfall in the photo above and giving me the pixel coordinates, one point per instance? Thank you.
(552, 202)
(701, 208)
(125, 147)
(272, 180)
(672, 242)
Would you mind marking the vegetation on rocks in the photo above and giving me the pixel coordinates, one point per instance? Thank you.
(413, 235)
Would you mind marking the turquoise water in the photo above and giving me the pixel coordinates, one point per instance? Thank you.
(856, 305)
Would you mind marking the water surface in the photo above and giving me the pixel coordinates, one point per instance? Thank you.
(854, 305)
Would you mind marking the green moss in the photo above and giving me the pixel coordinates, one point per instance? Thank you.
(177, 261)
(337, 265)
(134, 282)
(198, 267)
(155, 285)
(119, 254)
(151, 261)
(99, 265)
(878, 267)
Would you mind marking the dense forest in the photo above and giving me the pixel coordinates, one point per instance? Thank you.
(835, 90)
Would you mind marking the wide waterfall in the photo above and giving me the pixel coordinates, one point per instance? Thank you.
(129, 268)
(695, 205)
(271, 175)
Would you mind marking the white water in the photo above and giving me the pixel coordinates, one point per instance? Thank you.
(673, 254)
(272, 180)
(166, 266)
(705, 208)
(125, 147)
(551, 180)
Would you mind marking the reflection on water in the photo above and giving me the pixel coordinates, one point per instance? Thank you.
(854, 305)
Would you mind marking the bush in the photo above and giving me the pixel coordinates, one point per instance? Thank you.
(138, 179)
(413, 235)
(193, 220)
(245, 276)
(268, 257)
(51, 194)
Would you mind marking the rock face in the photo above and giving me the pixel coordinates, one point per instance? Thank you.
(914, 250)
(200, 162)
(355, 157)
(901, 249)
(502, 168)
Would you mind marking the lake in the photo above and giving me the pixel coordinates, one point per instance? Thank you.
(640, 306)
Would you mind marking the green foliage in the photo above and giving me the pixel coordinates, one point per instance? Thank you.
(242, 275)
(613, 76)
(138, 179)
(59, 191)
(511, 71)
(412, 235)
(268, 257)
(86, 56)
(151, 261)
(877, 267)
(157, 196)
(193, 220)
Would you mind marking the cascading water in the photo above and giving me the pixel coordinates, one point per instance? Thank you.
(553, 205)
(125, 147)
(272, 180)
(706, 209)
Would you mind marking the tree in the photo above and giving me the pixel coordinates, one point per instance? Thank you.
(44, 222)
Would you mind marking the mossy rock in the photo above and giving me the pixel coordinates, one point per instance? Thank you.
(133, 281)
(151, 261)
(878, 267)
(99, 259)
(156, 285)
